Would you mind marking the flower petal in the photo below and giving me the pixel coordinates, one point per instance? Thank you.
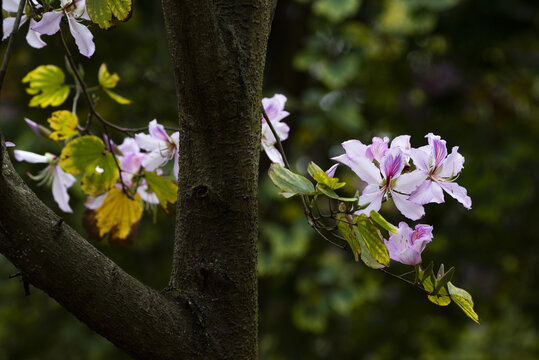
(273, 154)
(153, 160)
(157, 131)
(428, 192)
(11, 5)
(34, 38)
(83, 37)
(62, 181)
(452, 165)
(420, 157)
(407, 208)
(49, 23)
(30, 157)
(458, 192)
(407, 183)
(371, 194)
(95, 202)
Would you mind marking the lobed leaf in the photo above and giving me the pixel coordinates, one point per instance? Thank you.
(64, 123)
(101, 177)
(109, 81)
(105, 12)
(47, 85)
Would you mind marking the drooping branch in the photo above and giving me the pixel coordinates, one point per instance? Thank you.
(53, 257)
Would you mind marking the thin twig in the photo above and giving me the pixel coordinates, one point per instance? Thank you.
(11, 42)
(91, 104)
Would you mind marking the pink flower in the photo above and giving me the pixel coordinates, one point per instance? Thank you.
(407, 245)
(73, 10)
(440, 171)
(33, 38)
(61, 181)
(161, 147)
(274, 108)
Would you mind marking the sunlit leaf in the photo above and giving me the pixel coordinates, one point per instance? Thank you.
(109, 81)
(64, 123)
(105, 12)
(373, 239)
(118, 214)
(346, 228)
(289, 182)
(87, 154)
(377, 218)
(164, 188)
(464, 300)
(47, 85)
(322, 177)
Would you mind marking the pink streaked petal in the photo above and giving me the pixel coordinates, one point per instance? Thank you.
(458, 192)
(372, 195)
(421, 236)
(392, 164)
(30, 157)
(50, 23)
(158, 131)
(420, 157)
(331, 171)
(452, 165)
(95, 202)
(377, 149)
(34, 38)
(83, 37)
(438, 148)
(407, 208)
(354, 149)
(407, 183)
(428, 192)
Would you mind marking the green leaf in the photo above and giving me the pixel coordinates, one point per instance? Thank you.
(373, 239)
(443, 278)
(164, 188)
(464, 300)
(105, 12)
(376, 217)
(332, 194)
(322, 178)
(336, 10)
(290, 183)
(47, 85)
(87, 154)
(346, 227)
(427, 278)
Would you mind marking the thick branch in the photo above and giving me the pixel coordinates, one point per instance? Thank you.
(54, 258)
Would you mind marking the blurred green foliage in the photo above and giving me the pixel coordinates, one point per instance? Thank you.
(467, 70)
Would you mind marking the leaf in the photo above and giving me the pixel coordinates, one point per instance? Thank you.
(322, 177)
(332, 194)
(109, 81)
(373, 239)
(118, 214)
(49, 80)
(443, 278)
(87, 154)
(64, 123)
(377, 218)
(441, 298)
(429, 282)
(105, 12)
(464, 300)
(164, 188)
(289, 182)
(346, 228)
(336, 10)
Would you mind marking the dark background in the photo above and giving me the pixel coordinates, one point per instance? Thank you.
(466, 70)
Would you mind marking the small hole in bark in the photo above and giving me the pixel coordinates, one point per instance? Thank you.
(201, 191)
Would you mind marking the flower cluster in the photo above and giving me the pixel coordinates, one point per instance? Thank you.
(411, 178)
(49, 24)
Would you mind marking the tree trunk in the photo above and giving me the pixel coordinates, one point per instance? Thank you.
(218, 51)
(209, 310)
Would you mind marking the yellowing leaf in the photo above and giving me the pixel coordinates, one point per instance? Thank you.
(164, 188)
(109, 81)
(64, 123)
(47, 85)
(118, 214)
(105, 12)
(87, 154)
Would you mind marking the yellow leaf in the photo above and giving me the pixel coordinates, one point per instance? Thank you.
(64, 123)
(109, 81)
(118, 214)
(47, 85)
(118, 98)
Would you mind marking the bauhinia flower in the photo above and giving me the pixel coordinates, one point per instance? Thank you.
(440, 171)
(383, 182)
(32, 37)
(52, 174)
(407, 245)
(161, 147)
(274, 108)
(74, 10)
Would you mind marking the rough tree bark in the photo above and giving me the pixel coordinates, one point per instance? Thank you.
(209, 310)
